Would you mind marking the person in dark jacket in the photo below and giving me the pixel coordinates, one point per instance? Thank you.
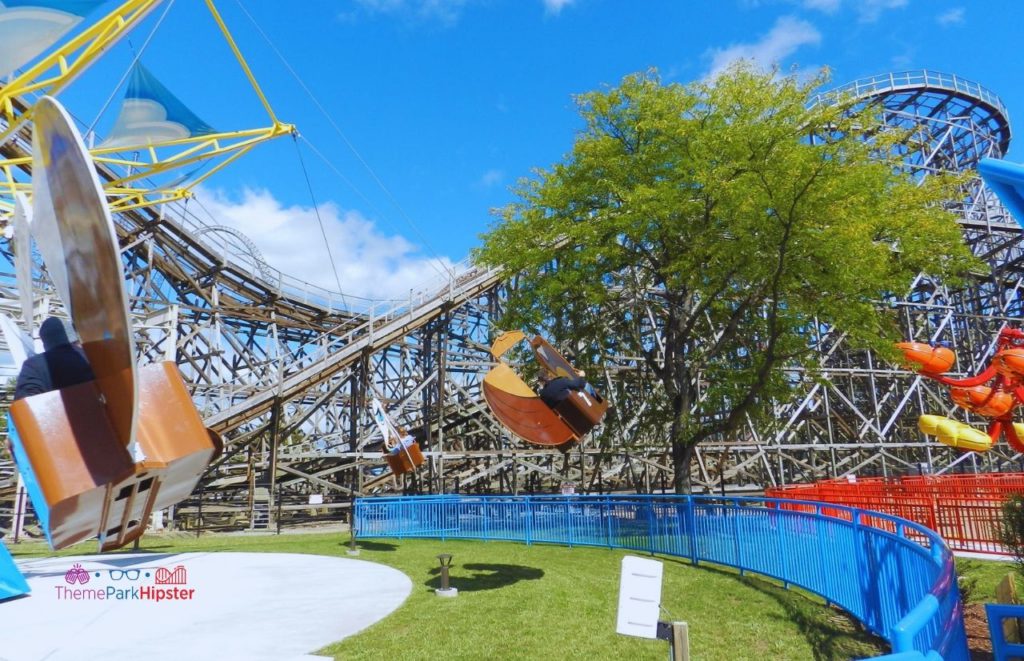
(62, 363)
(556, 389)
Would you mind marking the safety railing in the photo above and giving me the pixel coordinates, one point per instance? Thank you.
(916, 79)
(966, 510)
(895, 576)
(301, 290)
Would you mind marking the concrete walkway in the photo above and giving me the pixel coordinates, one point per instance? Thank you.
(194, 606)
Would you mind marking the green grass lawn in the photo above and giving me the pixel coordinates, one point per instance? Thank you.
(982, 577)
(551, 602)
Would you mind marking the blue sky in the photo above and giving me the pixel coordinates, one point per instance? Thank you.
(437, 106)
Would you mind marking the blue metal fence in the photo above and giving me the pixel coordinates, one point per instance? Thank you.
(1002, 649)
(895, 576)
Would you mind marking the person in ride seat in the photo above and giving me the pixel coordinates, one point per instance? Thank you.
(62, 363)
(405, 439)
(556, 389)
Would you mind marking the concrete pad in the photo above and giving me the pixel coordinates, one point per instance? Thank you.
(254, 606)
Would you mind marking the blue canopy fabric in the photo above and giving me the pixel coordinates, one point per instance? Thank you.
(152, 114)
(29, 27)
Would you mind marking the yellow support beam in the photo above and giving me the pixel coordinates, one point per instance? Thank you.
(222, 147)
(241, 60)
(148, 160)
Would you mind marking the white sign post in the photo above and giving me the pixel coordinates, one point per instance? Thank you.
(640, 603)
(639, 597)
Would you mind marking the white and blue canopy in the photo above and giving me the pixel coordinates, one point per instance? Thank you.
(151, 114)
(29, 27)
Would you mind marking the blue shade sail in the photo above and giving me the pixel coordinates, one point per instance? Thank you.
(151, 114)
(30, 27)
(1006, 180)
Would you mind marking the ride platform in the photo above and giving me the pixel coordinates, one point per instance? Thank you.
(254, 606)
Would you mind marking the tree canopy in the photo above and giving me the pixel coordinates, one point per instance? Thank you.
(702, 235)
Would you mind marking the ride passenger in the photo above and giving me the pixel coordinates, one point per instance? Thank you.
(62, 363)
(556, 389)
(400, 442)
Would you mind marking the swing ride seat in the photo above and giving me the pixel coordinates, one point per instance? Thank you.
(523, 412)
(402, 454)
(582, 411)
(405, 459)
(925, 358)
(954, 433)
(1010, 363)
(983, 400)
(71, 461)
(98, 457)
(83, 482)
(172, 434)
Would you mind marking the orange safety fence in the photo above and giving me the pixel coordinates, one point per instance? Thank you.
(965, 509)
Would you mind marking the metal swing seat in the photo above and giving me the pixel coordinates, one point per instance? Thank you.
(521, 410)
(99, 457)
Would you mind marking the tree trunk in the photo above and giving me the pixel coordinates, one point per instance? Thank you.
(682, 457)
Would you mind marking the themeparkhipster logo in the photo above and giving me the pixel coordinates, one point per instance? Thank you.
(126, 584)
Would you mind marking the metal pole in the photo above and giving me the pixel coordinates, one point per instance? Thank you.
(352, 548)
(19, 508)
(275, 432)
(199, 513)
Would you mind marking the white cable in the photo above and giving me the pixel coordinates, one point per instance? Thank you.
(341, 134)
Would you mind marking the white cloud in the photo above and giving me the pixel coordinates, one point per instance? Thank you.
(445, 11)
(370, 264)
(870, 10)
(491, 178)
(555, 7)
(954, 16)
(785, 38)
(904, 60)
(827, 6)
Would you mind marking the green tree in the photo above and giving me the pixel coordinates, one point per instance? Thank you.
(704, 234)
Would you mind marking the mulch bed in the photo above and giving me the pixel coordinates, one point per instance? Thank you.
(976, 624)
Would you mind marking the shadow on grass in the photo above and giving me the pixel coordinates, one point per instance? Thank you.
(831, 632)
(485, 576)
(826, 629)
(373, 546)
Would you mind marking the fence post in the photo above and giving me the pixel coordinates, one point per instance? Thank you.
(650, 527)
(691, 523)
(870, 606)
(607, 507)
(783, 555)
(681, 641)
(736, 536)
(529, 521)
(821, 554)
(568, 516)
